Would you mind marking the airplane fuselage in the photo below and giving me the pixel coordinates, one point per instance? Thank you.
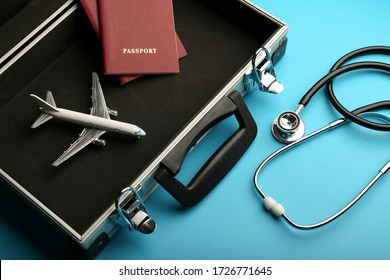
(95, 124)
(100, 123)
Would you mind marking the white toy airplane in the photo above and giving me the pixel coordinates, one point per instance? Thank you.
(97, 122)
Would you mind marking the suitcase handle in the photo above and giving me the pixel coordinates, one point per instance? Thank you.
(220, 163)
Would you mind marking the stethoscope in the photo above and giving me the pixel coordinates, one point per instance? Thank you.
(288, 127)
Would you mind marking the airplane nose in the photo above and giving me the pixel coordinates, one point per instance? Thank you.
(140, 132)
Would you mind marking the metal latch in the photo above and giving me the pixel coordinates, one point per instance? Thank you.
(263, 75)
(134, 213)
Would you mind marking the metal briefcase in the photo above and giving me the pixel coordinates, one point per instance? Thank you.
(99, 191)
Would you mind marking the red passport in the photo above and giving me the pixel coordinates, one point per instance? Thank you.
(91, 9)
(138, 37)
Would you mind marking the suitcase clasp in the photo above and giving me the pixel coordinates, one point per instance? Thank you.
(263, 75)
(134, 213)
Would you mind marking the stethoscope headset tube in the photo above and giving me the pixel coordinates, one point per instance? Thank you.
(285, 126)
(338, 70)
(383, 104)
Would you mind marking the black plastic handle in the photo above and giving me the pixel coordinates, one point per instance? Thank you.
(220, 163)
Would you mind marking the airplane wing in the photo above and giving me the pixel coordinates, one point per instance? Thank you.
(99, 107)
(87, 136)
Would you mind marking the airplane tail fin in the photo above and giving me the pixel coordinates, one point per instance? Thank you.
(46, 106)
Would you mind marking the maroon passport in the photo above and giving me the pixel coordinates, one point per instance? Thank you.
(138, 37)
(91, 9)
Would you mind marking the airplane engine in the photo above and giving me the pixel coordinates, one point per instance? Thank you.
(99, 142)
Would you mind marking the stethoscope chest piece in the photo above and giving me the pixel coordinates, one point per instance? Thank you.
(288, 127)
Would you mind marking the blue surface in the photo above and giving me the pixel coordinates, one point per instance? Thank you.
(311, 181)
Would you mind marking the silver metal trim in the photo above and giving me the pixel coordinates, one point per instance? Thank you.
(263, 12)
(36, 31)
(38, 38)
(40, 205)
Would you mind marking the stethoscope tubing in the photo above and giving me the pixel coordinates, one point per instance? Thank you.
(330, 126)
(338, 70)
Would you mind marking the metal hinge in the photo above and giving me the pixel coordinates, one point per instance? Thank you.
(133, 213)
(263, 75)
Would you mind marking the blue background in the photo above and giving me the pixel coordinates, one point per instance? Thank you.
(311, 181)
